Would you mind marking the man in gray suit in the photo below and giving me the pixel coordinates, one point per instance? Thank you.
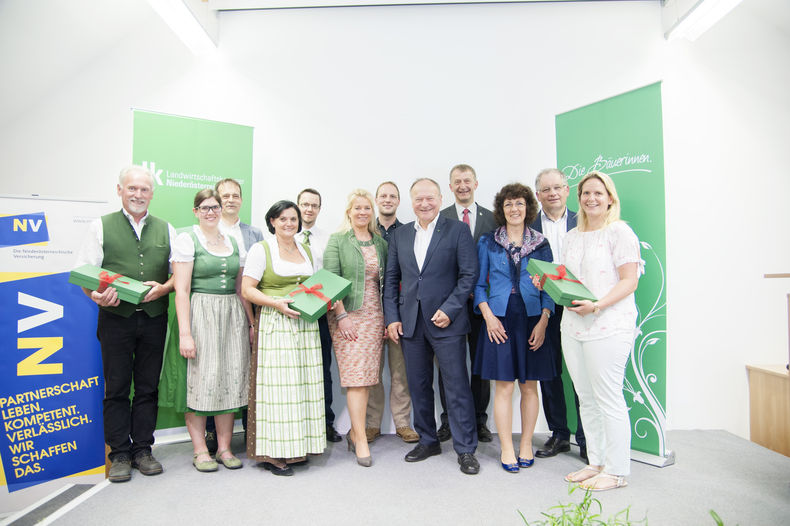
(229, 191)
(554, 221)
(463, 183)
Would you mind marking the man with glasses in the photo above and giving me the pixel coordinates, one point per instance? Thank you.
(554, 221)
(136, 244)
(309, 202)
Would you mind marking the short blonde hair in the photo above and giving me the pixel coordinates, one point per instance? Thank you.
(359, 192)
(612, 213)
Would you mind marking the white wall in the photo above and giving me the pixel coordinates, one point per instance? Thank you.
(726, 115)
(349, 97)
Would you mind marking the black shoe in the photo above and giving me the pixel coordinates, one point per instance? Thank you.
(550, 441)
(483, 434)
(421, 452)
(443, 433)
(211, 442)
(146, 463)
(280, 472)
(469, 463)
(558, 446)
(583, 453)
(332, 435)
(121, 469)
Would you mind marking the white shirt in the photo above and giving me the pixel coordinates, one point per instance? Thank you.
(256, 261)
(472, 215)
(232, 230)
(92, 250)
(183, 249)
(422, 238)
(555, 232)
(318, 241)
(593, 257)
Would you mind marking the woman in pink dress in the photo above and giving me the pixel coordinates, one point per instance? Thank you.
(359, 254)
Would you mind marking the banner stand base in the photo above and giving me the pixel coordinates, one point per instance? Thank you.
(654, 460)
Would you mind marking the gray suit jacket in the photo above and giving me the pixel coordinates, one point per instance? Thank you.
(251, 235)
(485, 220)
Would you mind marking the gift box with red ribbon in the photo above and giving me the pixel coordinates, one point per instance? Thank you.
(98, 279)
(317, 294)
(559, 283)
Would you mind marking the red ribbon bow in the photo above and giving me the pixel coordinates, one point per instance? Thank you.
(105, 280)
(314, 290)
(562, 274)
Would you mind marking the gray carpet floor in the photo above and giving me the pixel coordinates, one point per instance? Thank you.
(743, 482)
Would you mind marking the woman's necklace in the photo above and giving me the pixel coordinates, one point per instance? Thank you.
(289, 250)
(363, 242)
(214, 241)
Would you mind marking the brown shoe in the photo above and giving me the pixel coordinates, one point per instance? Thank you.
(372, 433)
(407, 434)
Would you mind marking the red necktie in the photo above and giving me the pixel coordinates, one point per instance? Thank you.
(466, 218)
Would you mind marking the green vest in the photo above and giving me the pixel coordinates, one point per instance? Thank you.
(144, 259)
(271, 283)
(214, 274)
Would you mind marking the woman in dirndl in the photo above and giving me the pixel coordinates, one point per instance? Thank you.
(213, 335)
(286, 409)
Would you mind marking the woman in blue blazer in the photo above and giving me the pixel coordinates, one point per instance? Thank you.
(512, 343)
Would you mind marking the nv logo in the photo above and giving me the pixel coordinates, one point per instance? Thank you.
(23, 229)
(151, 167)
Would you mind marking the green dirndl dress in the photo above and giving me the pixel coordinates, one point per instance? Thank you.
(286, 398)
(215, 381)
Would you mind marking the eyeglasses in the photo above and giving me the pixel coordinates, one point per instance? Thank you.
(309, 205)
(206, 209)
(549, 189)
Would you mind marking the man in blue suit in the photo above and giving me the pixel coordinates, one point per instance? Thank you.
(554, 221)
(431, 270)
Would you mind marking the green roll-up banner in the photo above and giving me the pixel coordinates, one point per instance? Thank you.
(623, 137)
(186, 155)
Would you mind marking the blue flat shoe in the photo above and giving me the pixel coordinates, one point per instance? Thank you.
(525, 463)
(511, 468)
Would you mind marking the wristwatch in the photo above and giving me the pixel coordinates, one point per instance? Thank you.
(596, 308)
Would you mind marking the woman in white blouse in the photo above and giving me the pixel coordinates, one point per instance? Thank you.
(212, 329)
(286, 408)
(597, 337)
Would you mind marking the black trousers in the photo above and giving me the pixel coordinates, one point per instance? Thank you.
(481, 389)
(132, 350)
(326, 357)
(553, 392)
(419, 352)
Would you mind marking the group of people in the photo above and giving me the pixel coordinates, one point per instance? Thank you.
(426, 291)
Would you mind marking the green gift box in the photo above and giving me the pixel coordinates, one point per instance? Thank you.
(95, 278)
(313, 297)
(559, 283)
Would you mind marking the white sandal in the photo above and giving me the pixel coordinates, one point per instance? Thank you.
(603, 482)
(587, 472)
